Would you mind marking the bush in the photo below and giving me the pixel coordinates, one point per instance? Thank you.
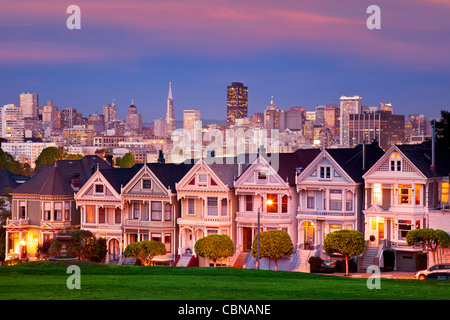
(421, 261)
(100, 250)
(144, 251)
(42, 250)
(389, 259)
(214, 247)
(273, 245)
(315, 263)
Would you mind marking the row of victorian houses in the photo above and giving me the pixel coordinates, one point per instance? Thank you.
(313, 192)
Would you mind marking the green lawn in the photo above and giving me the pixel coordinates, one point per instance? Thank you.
(47, 280)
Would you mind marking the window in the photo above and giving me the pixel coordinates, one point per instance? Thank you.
(57, 211)
(404, 194)
(191, 207)
(156, 237)
(249, 203)
(22, 211)
(273, 208)
(377, 194)
(404, 226)
(99, 188)
(417, 194)
(146, 184)
(284, 204)
(90, 214)
(202, 180)
(168, 242)
(395, 162)
(67, 211)
(156, 211)
(144, 211)
(47, 211)
(167, 212)
(262, 175)
(101, 215)
(224, 209)
(335, 227)
(136, 209)
(213, 210)
(310, 199)
(325, 172)
(336, 200)
(117, 216)
(444, 192)
(349, 201)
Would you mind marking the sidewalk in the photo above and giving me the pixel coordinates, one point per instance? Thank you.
(387, 275)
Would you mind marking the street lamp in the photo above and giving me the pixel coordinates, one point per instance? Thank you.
(268, 202)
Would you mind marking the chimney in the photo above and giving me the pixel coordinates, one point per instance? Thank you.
(75, 181)
(364, 155)
(433, 148)
(161, 157)
(239, 169)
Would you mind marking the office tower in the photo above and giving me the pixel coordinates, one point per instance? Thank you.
(78, 135)
(385, 127)
(292, 119)
(110, 113)
(160, 128)
(349, 105)
(386, 107)
(272, 116)
(70, 117)
(170, 113)
(11, 123)
(50, 116)
(29, 105)
(331, 121)
(134, 119)
(97, 121)
(237, 102)
(189, 118)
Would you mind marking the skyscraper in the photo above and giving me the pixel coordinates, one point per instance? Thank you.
(349, 105)
(110, 113)
(29, 105)
(237, 102)
(190, 117)
(134, 119)
(11, 123)
(170, 113)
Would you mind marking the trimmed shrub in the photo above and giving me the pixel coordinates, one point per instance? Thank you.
(315, 263)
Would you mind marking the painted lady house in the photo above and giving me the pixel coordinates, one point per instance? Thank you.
(406, 189)
(267, 188)
(44, 205)
(208, 204)
(330, 196)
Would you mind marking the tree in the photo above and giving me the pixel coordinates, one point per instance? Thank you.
(127, 161)
(350, 243)
(214, 247)
(430, 240)
(48, 156)
(443, 129)
(273, 245)
(145, 251)
(81, 244)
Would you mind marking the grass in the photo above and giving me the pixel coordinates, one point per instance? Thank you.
(47, 281)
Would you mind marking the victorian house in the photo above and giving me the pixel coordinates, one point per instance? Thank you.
(330, 191)
(406, 189)
(44, 205)
(208, 203)
(267, 189)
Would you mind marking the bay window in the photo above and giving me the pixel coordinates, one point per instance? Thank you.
(90, 214)
(273, 208)
(336, 200)
(212, 204)
(156, 211)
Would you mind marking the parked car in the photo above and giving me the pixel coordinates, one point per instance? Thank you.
(328, 266)
(438, 267)
(438, 275)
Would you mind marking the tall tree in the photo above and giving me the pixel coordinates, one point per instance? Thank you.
(48, 156)
(443, 128)
(127, 161)
(431, 240)
(350, 243)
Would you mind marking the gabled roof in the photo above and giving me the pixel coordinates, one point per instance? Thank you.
(421, 155)
(351, 159)
(55, 179)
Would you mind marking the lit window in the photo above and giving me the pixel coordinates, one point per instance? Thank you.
(377, 195)
(395, 162)
(444, 192)
(404, 193)
(417, 194)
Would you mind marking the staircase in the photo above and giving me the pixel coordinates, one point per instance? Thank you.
(127, 262)
(368, 259)
(240, 260)
(184, 260)
(304, 257)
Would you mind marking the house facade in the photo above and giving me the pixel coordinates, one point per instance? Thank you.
(44, 205)
(405, 190)
(331, 196)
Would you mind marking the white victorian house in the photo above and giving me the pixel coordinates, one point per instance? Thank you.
(405, 190)
(330, 191)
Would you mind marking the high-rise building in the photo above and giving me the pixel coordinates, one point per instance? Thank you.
(134, 119)
(349, 105)
(383, 126)
(50, 116)
(237, 102)
(70, 118)
(293, 118)
(331, 121)
(160, 127)
(11, 123)
(189, 118)
(29, 105)
(110, 113)
(78, 135)
(272, 116)
(170, 113)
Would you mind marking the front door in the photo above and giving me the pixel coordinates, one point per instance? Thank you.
(247, 239)
(308, 235)
(113, 249)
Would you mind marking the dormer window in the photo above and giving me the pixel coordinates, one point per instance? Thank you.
(325, 172)
(202, 180)
(146, 184)
(99, 189)
(262, 175)
(395, 162)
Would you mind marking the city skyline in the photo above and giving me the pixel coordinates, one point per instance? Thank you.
(301, 53)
